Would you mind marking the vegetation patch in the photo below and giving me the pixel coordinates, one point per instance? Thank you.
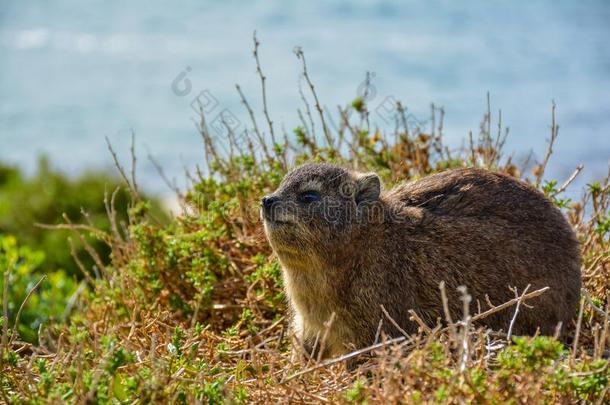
(192, 310)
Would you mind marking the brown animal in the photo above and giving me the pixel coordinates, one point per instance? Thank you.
(347, 249)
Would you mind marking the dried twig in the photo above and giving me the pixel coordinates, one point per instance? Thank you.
(507, 304)
(514, 318)
(419, 321)
(23, 303)
(299, 52)
(131, 187)
(7, 273)
(257, 132)
(577, 332)
(549, 152)
(307, 111)
(446, 309)
(467, 319)
(569, 181)
(595, 308)
(346, 357)
(264, 90)
(393, 322)
(132, 149)
(170, 184)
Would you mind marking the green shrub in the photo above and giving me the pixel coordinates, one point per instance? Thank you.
(46, 305)
(45, 197)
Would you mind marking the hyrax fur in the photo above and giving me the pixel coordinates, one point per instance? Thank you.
(346, 249)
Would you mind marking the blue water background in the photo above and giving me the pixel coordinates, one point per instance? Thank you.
(73, 72)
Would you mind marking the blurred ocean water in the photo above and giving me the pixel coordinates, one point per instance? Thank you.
(72, 73)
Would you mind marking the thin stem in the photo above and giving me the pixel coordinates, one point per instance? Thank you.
(299, 52)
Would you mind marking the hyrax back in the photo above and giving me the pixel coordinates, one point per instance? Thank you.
(347, 249)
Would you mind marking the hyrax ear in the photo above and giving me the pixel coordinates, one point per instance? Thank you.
(368, 188)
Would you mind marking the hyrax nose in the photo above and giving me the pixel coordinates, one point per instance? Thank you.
(267, 202)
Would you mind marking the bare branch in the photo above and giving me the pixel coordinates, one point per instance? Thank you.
(346, 357)
(263, 79)
(569, 180)
(121, 170)
(512, 321)
(299, 52)
(549, 151)
(393, 322)
(132, 149)
(7, 273)
(507, 304)
(257, 132)
(23, 303)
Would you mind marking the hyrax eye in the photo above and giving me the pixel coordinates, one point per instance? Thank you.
(309, 196)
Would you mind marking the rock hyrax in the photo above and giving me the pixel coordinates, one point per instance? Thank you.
(347, 248)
